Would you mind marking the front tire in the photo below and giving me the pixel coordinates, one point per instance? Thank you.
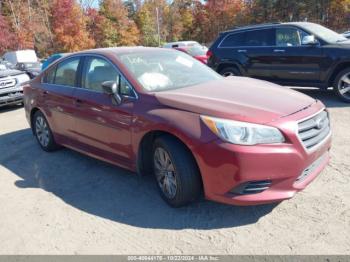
(43, 133)
(342, 85)
(176, 172)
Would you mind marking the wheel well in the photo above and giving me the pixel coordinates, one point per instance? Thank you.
(336, 71)
(144, 159)
(32, 113)
(224, 65)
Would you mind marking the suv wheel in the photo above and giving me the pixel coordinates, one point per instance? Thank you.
(176, 172)
(43, 132)
(342, 85)
(230, 71)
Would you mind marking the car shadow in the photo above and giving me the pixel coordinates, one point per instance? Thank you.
(110, 192)
(328, 97)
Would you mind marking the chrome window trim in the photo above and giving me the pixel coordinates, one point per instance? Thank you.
(90, 55)
(269, 46)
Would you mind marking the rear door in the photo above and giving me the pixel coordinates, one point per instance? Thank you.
(258, 47)
(251, 50)
(103, 127)
(292, 62)
(59, 104)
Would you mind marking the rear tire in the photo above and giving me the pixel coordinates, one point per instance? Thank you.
(176, 172)
(43, 134)
(230, 71)
(341, 85)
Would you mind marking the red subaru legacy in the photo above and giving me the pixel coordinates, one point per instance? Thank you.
(158, 111)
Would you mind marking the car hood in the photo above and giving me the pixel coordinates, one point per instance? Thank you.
(10, 72)
(238, 98)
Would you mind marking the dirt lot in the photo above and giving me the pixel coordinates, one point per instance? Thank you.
(67, 203)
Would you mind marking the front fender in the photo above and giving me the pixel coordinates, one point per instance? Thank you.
(186, 126)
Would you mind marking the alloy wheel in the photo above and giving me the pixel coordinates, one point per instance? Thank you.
(344, 86)
(165, 172)
(42, 131)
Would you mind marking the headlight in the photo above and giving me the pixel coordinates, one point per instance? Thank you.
(242, 133)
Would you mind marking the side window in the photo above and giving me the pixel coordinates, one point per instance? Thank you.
(50, 76)
(97, 71)
(66, 73)
(125, 88)
(263, 37)
(288, 37)
(236, 39)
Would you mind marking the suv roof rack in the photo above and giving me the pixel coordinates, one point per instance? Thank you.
(253, 26)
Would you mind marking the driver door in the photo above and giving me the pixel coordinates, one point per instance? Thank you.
(102, 126)
(292, 62)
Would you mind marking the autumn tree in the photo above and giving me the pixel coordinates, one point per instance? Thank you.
(146, 22)
(8, 38)
(20, 15)
(118, 29)
(69, 27)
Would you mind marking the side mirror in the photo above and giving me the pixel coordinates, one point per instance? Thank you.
(112, 88)
(309, 40)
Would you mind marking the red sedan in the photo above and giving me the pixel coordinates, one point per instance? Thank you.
(158, 111)
(198, 52)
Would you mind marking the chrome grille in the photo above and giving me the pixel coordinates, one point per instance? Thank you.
(314, 130)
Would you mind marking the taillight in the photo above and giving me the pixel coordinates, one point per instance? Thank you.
(209, 53)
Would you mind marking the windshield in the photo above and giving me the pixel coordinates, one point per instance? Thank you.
(166, 70)
(325, 33)
(3, 67)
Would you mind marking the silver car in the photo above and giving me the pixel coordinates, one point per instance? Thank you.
(11, 91)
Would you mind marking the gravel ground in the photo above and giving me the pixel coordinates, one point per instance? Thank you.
(68, 203)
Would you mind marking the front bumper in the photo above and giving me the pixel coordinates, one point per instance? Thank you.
(11, 96)
(225, 167)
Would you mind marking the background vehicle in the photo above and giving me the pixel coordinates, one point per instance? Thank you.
(11, 90)
(32, 69)
(198, 52)
(294, 54)
(181, 44)
(154, 110)
(21, 56)
(52, 59)
(346, 34)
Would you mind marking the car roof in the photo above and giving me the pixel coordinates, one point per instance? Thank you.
(267, 25)
(122, 50)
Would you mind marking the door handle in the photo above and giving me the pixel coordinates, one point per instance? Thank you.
(242, 51)
(279, 50)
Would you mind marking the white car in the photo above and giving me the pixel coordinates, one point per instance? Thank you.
(346, 34)
(181, 44)
(11, 90)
